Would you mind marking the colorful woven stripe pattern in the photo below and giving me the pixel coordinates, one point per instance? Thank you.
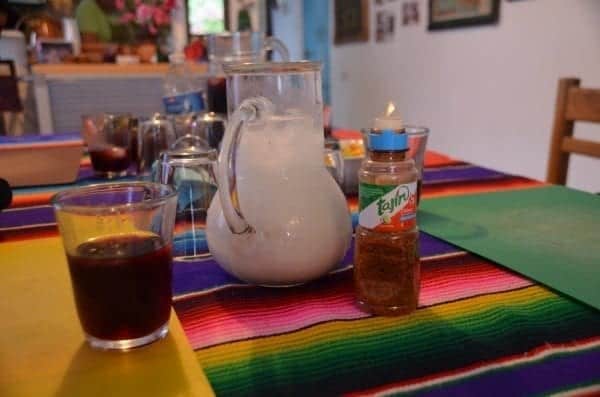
(479, 329)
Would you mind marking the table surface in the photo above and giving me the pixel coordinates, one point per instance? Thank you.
(480, 329)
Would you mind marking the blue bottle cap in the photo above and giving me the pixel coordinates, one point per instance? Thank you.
(387, 140)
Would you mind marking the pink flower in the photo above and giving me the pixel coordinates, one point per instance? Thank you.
(127, 17)
(168, 5)
(160, 17)
(144, 13)
(152, 29)
(120, 4)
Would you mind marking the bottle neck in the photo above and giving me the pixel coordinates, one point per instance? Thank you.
(387, 156)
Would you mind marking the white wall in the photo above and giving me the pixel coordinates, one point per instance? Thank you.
(487, 93)
(288, 25)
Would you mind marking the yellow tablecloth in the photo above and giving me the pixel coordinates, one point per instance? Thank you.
(42, 347)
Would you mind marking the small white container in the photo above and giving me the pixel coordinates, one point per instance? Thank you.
(33, 160)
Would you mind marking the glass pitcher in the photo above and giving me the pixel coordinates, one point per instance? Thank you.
(236, 47)
(279, 218)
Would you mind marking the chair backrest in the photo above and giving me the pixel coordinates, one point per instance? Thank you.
(10, 100)
(573, 103)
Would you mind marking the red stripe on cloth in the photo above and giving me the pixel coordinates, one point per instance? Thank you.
(237, 313)
(32, 199)
(435, 159)
(471, 187)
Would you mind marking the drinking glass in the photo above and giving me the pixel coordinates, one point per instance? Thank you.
(417, 142)
(117, 238)
(109, 141)
(155, 135)
(230, 47)
(188, 168)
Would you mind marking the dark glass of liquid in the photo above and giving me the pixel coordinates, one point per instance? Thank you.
(216, 92)
(122, 285)
(110, 160)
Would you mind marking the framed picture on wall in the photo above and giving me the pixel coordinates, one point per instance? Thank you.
(351, 21)
(447, 14)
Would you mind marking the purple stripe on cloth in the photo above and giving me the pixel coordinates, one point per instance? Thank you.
(85, 173)
(430, 246)
(194, 276)
(552, 374)
(460, 173)
(39, 139)
(26, 217)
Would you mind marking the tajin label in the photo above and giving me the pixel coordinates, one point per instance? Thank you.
(388, 208)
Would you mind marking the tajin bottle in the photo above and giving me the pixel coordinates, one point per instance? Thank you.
(386, 262)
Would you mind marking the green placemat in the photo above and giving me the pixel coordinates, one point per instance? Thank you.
(550, 234)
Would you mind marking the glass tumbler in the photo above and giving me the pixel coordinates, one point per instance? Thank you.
(188, 168)
(109, 141)
(154, 136)
(117, 238)
(417, 143)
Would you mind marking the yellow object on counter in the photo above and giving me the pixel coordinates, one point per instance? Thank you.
(42, 346)
(352, 148)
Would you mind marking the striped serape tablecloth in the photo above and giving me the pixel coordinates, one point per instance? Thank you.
(479, 329)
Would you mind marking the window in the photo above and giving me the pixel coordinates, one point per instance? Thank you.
(205, 16)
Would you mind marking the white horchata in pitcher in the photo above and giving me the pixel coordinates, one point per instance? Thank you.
(279, 217)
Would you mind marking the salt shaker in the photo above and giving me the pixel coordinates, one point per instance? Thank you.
(208, 126)
(188, 167)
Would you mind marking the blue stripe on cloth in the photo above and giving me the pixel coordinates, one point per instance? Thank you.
(36, 138)
(86, 177)
(26, 217)
(203, 274)
(530, 378)
(460, 173)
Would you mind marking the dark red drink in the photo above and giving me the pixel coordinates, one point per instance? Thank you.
(216, 93)
(110, 159)
(122, 285)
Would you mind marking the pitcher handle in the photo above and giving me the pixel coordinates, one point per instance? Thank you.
(276, 45)
(249, 110)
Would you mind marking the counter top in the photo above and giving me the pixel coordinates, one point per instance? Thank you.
(108, 69)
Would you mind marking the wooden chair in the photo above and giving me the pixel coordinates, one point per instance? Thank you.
(573, 103)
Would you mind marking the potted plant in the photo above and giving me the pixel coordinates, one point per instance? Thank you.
(148, 23)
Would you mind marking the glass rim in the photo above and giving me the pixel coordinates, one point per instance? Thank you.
(409, 129)
(271, 67)
(58, 204)
(416, 130)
